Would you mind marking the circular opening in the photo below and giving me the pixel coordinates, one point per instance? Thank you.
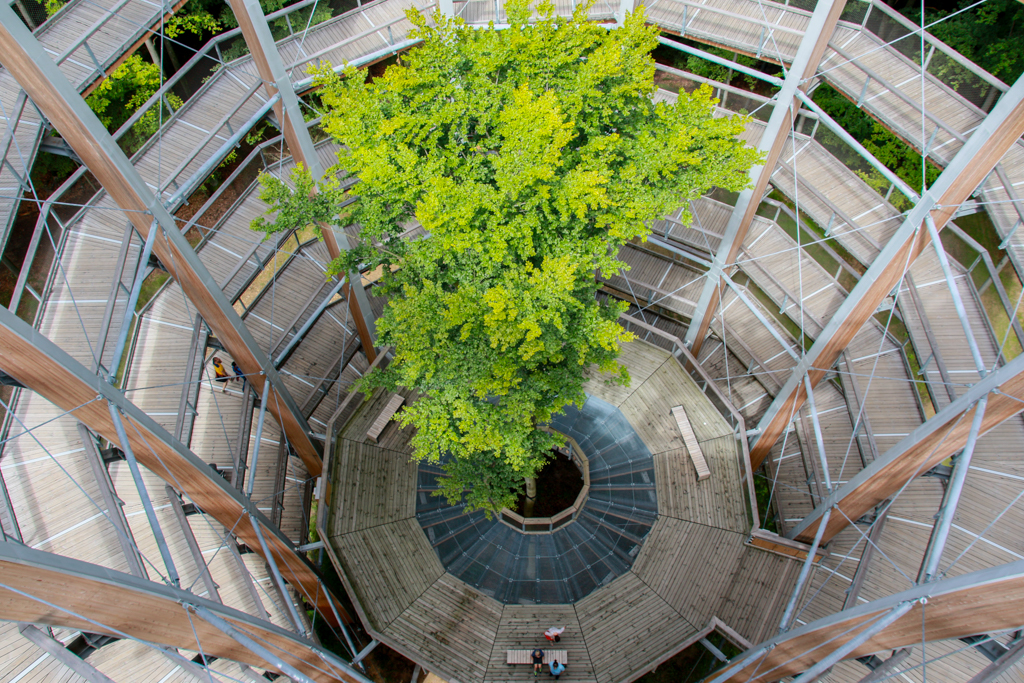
(558, 485)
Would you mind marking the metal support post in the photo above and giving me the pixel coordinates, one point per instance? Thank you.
(958, 303)
(882, 670)
(819, 439)
(805, 571)
(193, 546)
(259, 437)
(365, 651)
(133, 300)
(930, 568)
(147, 504)
(124, 536)
(250, 644)
(310, 321)
(851, 645)
(282, 586)
(56, 649)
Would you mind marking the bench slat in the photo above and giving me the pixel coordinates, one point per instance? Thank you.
(523, 656)
(385, 416)
(690, 439)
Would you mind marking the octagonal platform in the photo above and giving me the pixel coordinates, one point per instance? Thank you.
(683, 562)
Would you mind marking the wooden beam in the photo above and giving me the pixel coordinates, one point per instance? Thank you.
(978, 156)
(40, 365)
(805, 63)
(979, 602)
(268, 62)
(922, 449)
(42, 588)
(27, 61)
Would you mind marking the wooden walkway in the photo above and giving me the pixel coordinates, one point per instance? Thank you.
(749, 359)
(91, 38)
(406, 597)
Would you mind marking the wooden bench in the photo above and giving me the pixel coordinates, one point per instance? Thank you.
(385, 416)
(696, 456)
(523, 656)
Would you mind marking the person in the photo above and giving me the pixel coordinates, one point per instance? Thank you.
(538, 660)
(556, 668)
(239, 375)
(554, 634)
(221, 374)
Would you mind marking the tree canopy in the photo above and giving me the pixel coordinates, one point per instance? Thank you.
(529, 155)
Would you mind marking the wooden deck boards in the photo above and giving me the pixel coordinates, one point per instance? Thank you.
(389, 567)
(452, 627)
(370, 486)
(522, 628)
(626, 626)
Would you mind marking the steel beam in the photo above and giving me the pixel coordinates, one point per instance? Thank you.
(42, 588)
(193, 546)
(1001, 665)
(39, 364)
(928, 445)
(28, 61)
(812, 47)
(56, 649)
(114, 510)
(881, 672)
(276, 79)
(805, 571)
(990, 141)
(140, 485)
(937, 543)
(978, 602)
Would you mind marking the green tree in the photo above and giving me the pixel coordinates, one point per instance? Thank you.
(529, 156)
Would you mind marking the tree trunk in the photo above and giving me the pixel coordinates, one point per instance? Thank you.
(531, 496)
(153, 54)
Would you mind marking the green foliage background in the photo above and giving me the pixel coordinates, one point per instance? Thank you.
(529, 155)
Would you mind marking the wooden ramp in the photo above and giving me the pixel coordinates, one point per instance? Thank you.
(692, 447)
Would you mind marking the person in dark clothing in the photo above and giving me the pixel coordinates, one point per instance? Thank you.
(239, 375)
(538, 660)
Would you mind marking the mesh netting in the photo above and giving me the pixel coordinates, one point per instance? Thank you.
(568, 563)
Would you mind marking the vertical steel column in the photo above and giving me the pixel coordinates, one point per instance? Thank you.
(937, 543)
(271, 68)
(256, 449)
(818, 438)
(193, 546)
(805, 63)
(281, 585)
(958, 302)
(805, 571)
(147, 504)
(113, 503)
(133, 300)
(56, 649)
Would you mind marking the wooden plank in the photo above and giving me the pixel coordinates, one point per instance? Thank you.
(692, 448)
(384, 417)
(525, 656)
